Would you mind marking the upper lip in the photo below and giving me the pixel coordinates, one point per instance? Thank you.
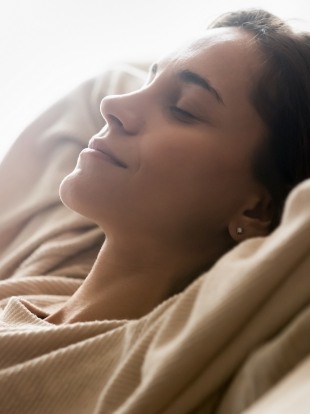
(99, 145)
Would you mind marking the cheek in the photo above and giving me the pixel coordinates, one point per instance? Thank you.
(193, 178)
(188, 162)
(186, 180)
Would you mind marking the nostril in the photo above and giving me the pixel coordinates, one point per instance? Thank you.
(122, 113)
(114, 120)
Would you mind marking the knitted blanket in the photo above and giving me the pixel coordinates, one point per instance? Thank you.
(237, 340)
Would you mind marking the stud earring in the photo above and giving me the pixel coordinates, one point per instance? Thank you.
(239, 230)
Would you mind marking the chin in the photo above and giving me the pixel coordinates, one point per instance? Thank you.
(81, 195)
(70, 192)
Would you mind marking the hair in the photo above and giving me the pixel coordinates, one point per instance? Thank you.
(281, 96)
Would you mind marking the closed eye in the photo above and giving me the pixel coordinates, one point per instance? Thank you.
(182, 114)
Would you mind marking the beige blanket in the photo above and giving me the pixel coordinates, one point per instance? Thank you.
(237, 340)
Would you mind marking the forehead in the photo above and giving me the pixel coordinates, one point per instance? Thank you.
(228, 57)
(225, 36)
(223, 44)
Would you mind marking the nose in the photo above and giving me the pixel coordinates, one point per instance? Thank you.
(123, 113)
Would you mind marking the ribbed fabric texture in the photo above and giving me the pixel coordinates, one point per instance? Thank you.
(236, 339)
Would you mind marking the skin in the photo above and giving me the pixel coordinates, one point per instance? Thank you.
(186, 182)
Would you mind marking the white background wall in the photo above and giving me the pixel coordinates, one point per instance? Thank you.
(47, 47)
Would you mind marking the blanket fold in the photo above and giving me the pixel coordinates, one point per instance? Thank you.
(32, 217)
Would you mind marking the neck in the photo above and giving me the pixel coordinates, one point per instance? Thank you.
(126, 283)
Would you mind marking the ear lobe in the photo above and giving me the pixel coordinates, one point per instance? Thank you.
(253, 220)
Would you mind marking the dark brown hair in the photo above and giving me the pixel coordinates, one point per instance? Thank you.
(282, 98)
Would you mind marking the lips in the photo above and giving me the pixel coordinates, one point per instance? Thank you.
(98, 144)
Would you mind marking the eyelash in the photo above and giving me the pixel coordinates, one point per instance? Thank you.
(182, 115)
(154, 69)
(151, 74)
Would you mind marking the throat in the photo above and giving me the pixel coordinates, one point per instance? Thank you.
(124, 284)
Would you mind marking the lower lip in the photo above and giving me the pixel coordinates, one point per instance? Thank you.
(98, 154)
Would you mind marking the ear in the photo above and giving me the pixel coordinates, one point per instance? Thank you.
(254, 218)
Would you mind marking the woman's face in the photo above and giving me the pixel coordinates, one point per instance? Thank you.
(184, 145)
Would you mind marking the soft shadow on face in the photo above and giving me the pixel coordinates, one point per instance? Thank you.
(174, 162)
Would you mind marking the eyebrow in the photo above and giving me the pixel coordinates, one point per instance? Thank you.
(188, 76)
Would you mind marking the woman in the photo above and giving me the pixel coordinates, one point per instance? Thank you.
(197, 160)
